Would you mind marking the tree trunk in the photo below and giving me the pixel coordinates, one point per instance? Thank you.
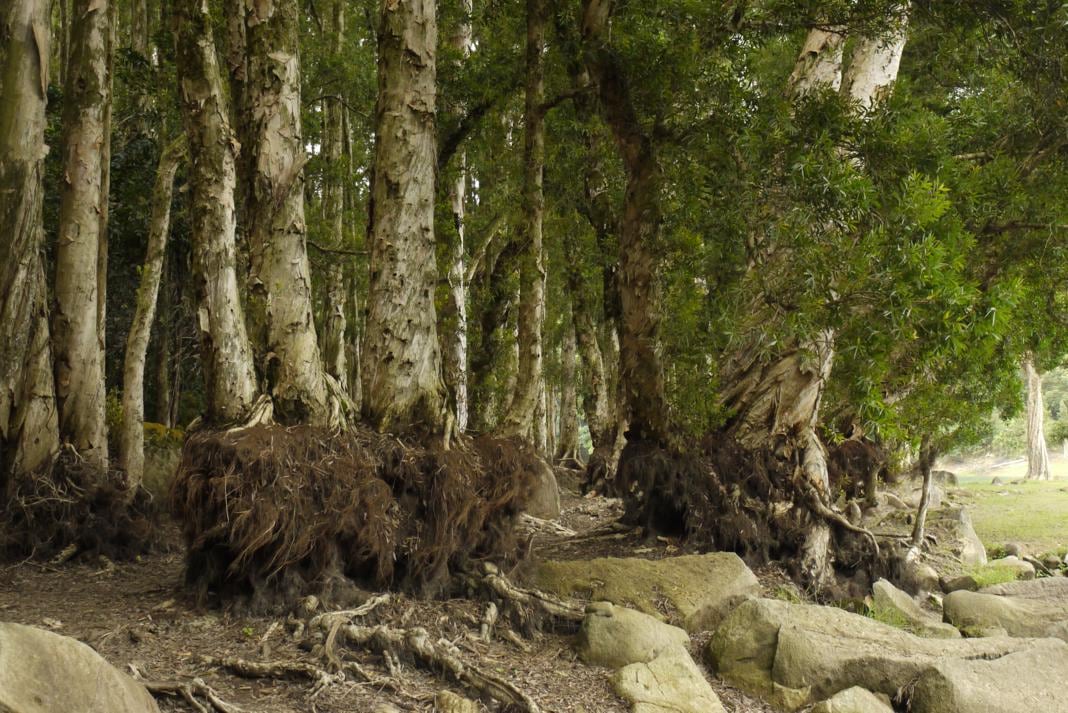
(132, 445)
(335, 324)
(29, 433)
(403, 386)
(518, 420)
(282, 327)
(456, 346)
(139, 27)
(77, 336)
(226, 354)
(927, 459)
(568, 448)
(1037, 453)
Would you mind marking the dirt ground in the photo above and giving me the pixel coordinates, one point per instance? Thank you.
(138, 613)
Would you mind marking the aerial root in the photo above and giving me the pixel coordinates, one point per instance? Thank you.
(836, 518)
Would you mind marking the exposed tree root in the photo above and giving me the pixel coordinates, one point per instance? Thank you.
(70, 508)
(191, 691)
(522, 604)
(759, 504)
(271, 514)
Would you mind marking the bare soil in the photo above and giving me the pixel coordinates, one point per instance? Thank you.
(140, 613)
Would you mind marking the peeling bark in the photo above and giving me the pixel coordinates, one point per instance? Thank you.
(281, 323)
(226, 353)
(456, 346)
(29, 430)
(1037, 453)
(519, 418)
(132, 444)
(335, 322)
(641, 367)
(403, 386)
(76, 326)
(568, 446)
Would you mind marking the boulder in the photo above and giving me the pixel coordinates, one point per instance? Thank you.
(965, 581)
(702, 589)
(43, 672)
(938, 496)
(1015, 549)
(544, 501)
(854, 700)
(1021, 682)
(616, 636)
(919, 577)
(945, 477)
(962, 540)
(889, 598)
(670, 683)
(796, 654)
(1016, 610)
(1021, 568)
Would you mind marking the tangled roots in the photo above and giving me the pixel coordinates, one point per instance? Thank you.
(73, 507)
(272, 513)
(720, 496)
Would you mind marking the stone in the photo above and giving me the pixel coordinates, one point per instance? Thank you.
(449, 702)
(945, 477)
(544, 501)
(44, 672)
(1051, 561)
(701, 589)
(1015, 549)
(997, 481)
(963, 541)
(854, 700)
(670, 683)
(919, 577)
(1020, 682)
(1040, 610)
(615, 636)
(1021, 568)
(888, 499)
(937, 497)
(965, 581)
(919, 621)
(794, 655)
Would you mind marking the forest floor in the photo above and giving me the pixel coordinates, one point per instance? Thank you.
(138, 613)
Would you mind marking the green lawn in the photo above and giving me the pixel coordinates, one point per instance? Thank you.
(1034, 514)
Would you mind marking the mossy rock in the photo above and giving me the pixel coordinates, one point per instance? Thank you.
(694, 591)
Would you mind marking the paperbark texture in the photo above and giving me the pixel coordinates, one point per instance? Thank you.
(77, 333)
(403, 386)
(29, 433)
(226, 354)
(1037, 453)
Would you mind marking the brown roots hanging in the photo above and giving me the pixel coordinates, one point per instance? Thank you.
(71, 508)
(272, 513)
(720, 496)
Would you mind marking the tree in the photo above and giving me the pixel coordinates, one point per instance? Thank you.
(132, 443)
(279, 304)
(77, 325)
(29, 434)
(518, 420)
(226, 355)
(1037, 454)
(403, 385)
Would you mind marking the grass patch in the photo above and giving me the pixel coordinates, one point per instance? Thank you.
(1033, 514)
(890, 616)
(991, 574)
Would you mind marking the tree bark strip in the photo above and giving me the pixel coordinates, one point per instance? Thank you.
(1037, 453)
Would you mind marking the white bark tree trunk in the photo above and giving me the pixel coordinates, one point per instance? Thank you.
(29, 431)
(335, 323)
(226, 353)
(77, 336)
(568, 446)
(280, 306)
(1037, 453)
(132, 443)
(403, 386)
(456, 348)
